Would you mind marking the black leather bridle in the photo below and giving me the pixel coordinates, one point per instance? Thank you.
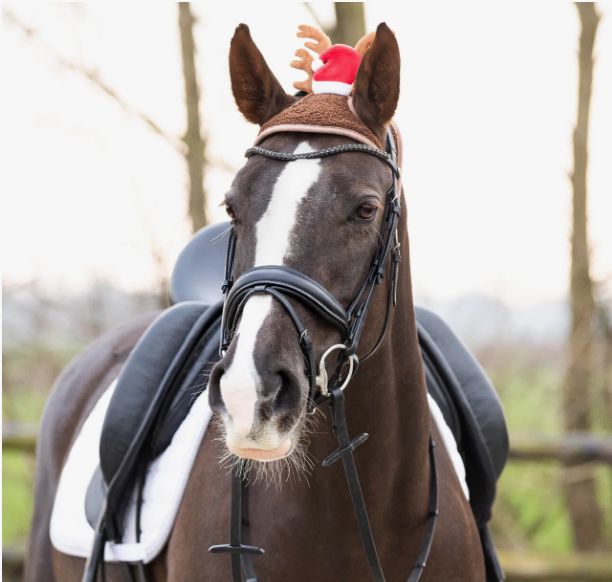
(283, 282)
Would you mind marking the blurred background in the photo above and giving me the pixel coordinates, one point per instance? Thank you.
(120, 137)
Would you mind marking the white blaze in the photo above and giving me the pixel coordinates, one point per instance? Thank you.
(240, 383)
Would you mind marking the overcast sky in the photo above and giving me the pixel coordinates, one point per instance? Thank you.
(487, 110)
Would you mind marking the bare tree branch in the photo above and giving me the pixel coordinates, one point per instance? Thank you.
(94, 77)
(326, 29)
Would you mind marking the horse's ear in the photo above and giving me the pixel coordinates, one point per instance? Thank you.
(257, 92)
(377, 85)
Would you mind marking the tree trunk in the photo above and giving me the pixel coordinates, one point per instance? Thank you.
(193, 139)
(350, 23)
(584, 511)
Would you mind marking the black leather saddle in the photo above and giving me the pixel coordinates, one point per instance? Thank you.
(168, 367)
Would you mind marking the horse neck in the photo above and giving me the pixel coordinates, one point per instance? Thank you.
(387, 398)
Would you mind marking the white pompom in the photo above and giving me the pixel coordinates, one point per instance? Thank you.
(317, 64)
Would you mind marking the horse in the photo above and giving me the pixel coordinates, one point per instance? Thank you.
(323, 218)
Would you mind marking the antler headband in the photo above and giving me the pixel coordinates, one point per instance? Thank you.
(305, 59)
(338, 81)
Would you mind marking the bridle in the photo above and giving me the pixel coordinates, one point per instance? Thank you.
(280, 281)
(283, 282)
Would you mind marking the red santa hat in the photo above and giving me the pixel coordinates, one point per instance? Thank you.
(335, 70)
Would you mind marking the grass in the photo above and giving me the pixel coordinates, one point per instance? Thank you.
(28, 373)
(17, 488)
(530, 512)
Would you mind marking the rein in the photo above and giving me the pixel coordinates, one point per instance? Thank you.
(280, 282)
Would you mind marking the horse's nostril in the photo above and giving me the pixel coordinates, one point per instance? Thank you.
(287, 397)
(214, 388)
(284, 389)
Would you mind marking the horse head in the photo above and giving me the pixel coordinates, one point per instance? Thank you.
(321, 217)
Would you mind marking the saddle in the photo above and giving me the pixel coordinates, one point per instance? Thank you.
(153, 394)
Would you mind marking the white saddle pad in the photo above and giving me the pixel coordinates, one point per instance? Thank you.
(165, 484)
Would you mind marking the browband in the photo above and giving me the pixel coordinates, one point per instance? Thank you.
(357, 147)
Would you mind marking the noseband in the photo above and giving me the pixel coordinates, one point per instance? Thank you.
(282, 282)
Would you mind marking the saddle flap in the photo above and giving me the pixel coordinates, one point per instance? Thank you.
(145, 388)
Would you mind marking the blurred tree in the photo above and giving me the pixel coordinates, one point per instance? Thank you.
(192, 146)
(350, 24)
(93, 76)
(585, 512)
(196, 145)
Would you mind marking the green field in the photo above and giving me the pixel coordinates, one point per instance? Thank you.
(530, 512)
(27, 375)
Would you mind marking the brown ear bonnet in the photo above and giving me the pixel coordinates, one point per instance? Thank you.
(325, 112)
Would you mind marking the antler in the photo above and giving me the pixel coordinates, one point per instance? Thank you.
(304, 63)
(305, 59)
(323, 42)
(365, 43)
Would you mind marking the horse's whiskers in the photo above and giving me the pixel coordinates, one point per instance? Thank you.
(290, 469)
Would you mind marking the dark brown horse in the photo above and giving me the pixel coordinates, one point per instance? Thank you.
(321, 217)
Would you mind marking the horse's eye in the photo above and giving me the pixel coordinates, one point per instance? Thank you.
(230, 211)
(366, 211)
